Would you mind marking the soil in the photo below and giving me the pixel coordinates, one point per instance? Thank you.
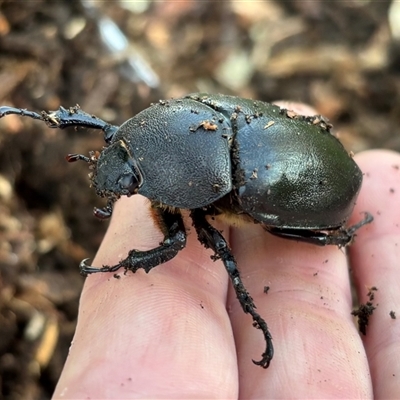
(365, 310)
(340, 57)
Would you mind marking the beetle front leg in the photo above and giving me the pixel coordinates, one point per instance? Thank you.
(74, 116)
(174, 241)
(213, 239)
(63, 118)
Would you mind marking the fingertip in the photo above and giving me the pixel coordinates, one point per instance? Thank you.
(374, 261)
(380, 192)
(300, 108)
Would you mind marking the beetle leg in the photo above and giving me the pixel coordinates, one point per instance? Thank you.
(63, 118)
(77, 157)
(174, 241)
(5, 110)
(212, 238)
(74, 116)
(105, 212)
(339, 237)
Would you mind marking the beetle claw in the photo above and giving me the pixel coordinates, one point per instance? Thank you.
(87, 269)
(268, 355)
(264, 362)
(84, 268)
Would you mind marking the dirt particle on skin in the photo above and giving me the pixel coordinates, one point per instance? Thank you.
(365, 310)
(363, 313)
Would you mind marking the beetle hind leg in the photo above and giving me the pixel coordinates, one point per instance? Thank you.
(174, 241)
(340, 237)
(212, 238)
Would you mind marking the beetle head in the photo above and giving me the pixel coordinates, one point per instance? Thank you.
(115, 172)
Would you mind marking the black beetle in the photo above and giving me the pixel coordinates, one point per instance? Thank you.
(217, 154)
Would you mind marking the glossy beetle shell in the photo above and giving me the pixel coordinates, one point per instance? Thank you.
(290, 171)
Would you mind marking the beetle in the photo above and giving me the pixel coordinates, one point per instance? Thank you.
(214, 154)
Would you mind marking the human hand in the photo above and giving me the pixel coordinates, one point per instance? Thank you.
(179, 331)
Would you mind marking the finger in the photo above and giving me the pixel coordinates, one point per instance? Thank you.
(165, 333)
(300, 108)
(318, 352)
(375, 262)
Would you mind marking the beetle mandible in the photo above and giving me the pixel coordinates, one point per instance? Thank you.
(218, 154)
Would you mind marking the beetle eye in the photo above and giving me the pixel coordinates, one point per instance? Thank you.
(128, 183)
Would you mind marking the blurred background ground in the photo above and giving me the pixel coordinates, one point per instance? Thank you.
(114, 58)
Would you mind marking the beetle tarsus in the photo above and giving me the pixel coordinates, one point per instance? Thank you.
(368, 218)
(87, 269)
(105, 212)
(212, 238)
(174, 241)
(77, 157)
(102, 213)
(63, 118)
(5, 110)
